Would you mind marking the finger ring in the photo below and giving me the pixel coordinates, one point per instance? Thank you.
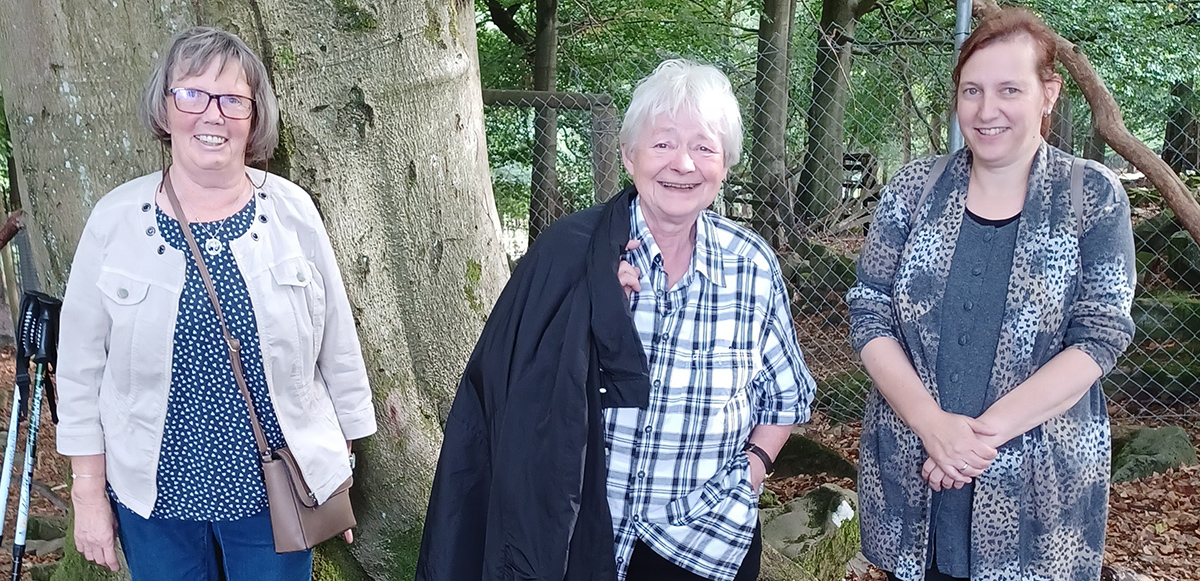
(965, 466)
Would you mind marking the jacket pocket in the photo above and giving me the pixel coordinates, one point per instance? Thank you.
(122, 289)
(294, 313)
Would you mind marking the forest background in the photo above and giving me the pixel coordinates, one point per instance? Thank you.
(413, 125)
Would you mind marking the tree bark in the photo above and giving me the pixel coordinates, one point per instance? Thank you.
(545, 202)
(821, 178)
(1111, 125)
(1181, 143)
(382, 111)
(775, 217)
(1095, 147)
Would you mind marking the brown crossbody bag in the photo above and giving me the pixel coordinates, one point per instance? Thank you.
(298, 523)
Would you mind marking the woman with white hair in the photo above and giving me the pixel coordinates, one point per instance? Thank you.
(688, 381)
(157, 428)
(713, 316)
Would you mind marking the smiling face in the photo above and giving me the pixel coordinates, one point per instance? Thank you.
(1001, 102)
(209, 142)
(677, 166)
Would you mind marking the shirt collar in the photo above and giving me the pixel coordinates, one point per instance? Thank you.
(706, 257)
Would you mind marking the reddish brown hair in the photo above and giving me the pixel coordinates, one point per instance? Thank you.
(1008, 23)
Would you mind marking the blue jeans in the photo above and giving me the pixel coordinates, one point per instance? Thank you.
(188, 550)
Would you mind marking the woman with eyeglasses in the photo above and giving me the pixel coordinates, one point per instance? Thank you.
(157, 429)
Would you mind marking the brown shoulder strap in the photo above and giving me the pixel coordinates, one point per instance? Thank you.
(235, 346)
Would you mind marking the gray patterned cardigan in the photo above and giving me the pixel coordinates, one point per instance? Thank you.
(1039, 510)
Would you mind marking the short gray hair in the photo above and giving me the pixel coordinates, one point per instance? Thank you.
(187, 54)
(703, 90)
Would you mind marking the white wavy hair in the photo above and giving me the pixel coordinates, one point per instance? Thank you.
(680, 85)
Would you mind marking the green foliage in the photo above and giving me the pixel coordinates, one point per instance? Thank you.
(899, 96)
(1139, 48)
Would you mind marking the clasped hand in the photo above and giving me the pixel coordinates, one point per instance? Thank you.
(960, 448)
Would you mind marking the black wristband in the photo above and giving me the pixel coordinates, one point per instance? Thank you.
(768, 464)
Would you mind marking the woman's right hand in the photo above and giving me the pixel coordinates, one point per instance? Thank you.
(95, 524)
(956, 447)
(628, 274)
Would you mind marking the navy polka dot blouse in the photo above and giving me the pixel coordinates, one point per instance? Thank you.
(208, 469)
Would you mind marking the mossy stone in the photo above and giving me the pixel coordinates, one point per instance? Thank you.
(1151, 450)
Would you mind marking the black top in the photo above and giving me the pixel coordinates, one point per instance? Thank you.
(520, 490)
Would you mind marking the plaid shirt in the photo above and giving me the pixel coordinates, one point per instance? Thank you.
(723, 359)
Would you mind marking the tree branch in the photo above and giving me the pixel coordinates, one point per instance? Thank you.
(508, 25)
(1111, 127)
(864, 7)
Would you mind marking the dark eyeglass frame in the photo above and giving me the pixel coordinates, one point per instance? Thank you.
(211, 98)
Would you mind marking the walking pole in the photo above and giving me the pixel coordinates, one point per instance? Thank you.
(45, 340)
(25, 350)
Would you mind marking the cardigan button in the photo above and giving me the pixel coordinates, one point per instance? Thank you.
(964, 339)
(978, 270)
(968, 305)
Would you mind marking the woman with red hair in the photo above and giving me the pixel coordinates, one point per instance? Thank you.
(993, 293)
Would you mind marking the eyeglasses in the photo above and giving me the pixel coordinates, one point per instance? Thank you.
(196, 101)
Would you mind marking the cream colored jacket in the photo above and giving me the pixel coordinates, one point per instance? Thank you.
(118, 328)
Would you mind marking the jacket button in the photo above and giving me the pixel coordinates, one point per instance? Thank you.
(161, 249)
(603, 390)
(262, 195)
(254, 235)
(150, 231)
(122, 293)
(262, 218)
(300, 275)
(146, 207)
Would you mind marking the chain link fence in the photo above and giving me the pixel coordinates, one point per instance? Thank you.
(829, 118)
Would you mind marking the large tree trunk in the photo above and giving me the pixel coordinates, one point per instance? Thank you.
(1181, 143)
(775, 217)
(384, 124)
(1095, 147)
(821, 179)
(545, 202)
